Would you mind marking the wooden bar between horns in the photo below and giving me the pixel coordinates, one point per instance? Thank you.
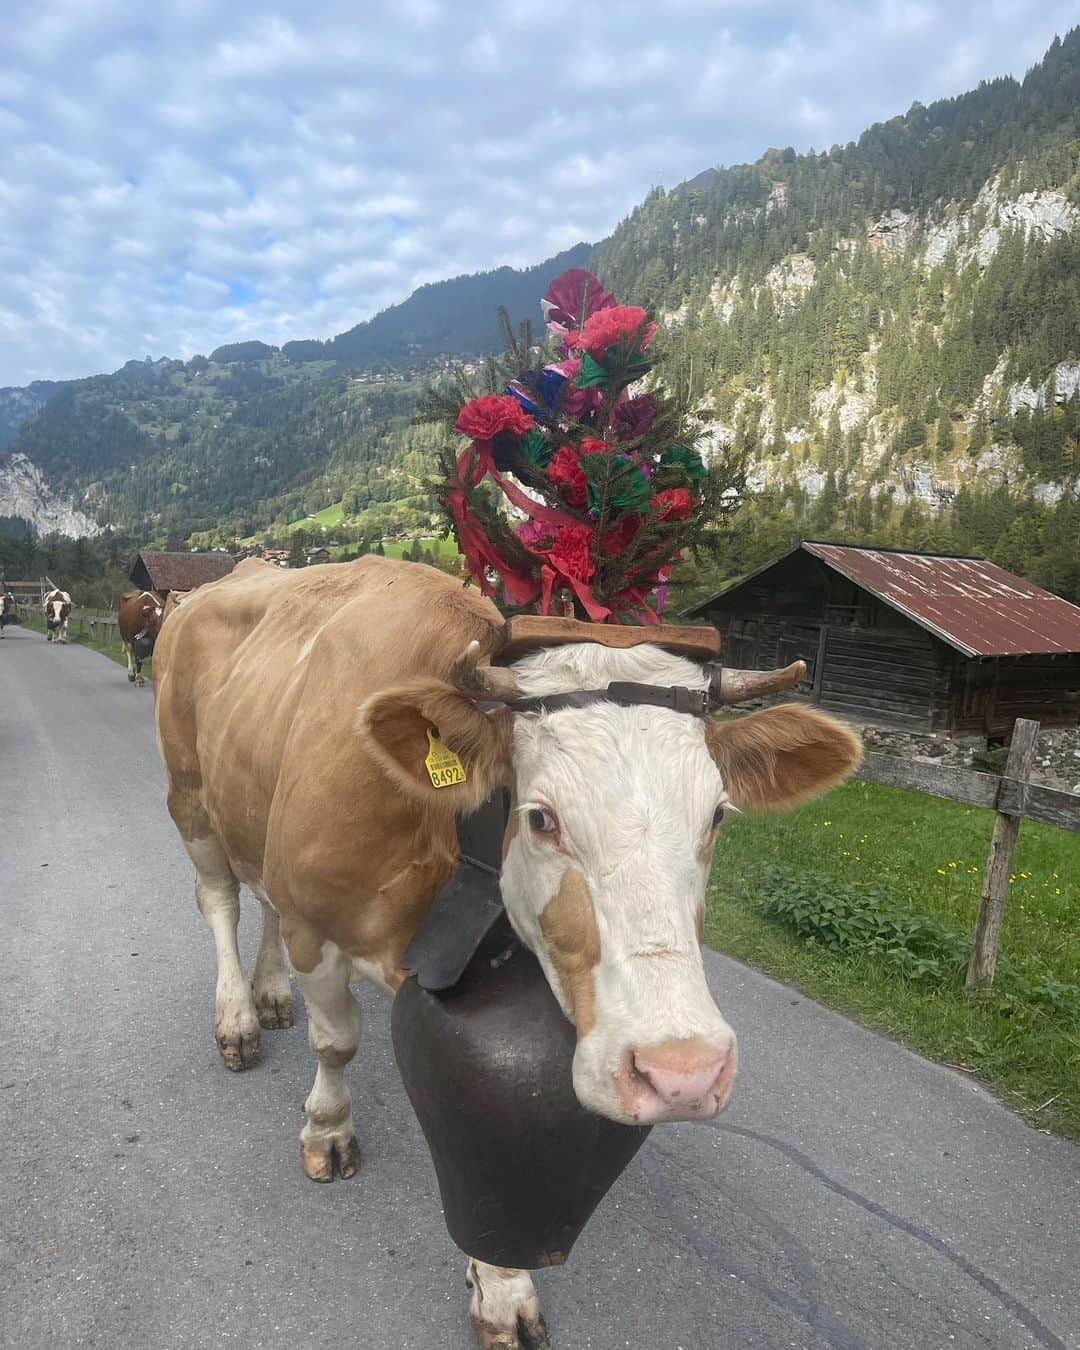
(529, 632)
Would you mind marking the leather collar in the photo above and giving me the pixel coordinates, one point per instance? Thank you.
(627, 693)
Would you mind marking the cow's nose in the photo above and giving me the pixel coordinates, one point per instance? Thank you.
(678, 1079)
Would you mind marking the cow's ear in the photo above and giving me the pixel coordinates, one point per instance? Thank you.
(773, 759)
(428, 721)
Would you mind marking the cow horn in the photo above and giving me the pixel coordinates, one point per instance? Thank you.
(482, 682)
(729, 685)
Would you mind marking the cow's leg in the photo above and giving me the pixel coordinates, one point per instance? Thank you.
(504, 1309)
(129, 652)
(328, 1136)
(236, 1027)
(270, 981)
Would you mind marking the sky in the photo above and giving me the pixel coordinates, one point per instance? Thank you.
(184, 174)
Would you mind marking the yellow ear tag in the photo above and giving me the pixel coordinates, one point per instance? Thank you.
(444, 767)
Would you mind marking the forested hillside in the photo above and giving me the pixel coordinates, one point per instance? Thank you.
(889, 330)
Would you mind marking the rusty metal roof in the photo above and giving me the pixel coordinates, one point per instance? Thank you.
(179, 571)
(973, 605)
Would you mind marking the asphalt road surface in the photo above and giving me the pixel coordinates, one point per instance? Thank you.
(853, 1196)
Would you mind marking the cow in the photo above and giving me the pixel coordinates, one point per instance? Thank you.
(293, 712)
(57, 607)
(9, 610)
(139, 616)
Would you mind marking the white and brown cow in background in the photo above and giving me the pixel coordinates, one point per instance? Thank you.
(9, 609)
(292, 711)
(139, 615)
(57, 607)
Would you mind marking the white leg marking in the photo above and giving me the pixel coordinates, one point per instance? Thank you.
(333, 1034)
(504, 1308)
(236, 1026)
(270, 981)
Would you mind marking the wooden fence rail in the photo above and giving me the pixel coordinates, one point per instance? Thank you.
(1012, 796)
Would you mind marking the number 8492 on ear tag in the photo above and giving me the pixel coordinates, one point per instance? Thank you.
(444, 767)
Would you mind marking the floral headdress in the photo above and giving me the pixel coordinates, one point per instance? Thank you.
(575, 495)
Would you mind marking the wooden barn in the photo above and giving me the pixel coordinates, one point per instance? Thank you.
(916, 641)
(165, 572)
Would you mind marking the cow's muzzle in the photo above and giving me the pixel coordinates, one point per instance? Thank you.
(688, 1079)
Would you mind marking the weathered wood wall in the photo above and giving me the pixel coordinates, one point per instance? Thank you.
(867, 661)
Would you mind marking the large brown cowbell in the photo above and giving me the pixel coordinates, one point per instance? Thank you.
(487, 1065)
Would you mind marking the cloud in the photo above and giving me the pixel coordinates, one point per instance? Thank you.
(191, 173)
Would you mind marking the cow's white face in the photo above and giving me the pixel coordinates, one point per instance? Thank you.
(616, 815)
(617, 811)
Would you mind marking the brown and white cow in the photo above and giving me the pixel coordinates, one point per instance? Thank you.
(139, 615)
(292, 711)
(57, 607)
(9, 610)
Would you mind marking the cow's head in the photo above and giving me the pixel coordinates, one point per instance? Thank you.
(149, 608)
(617, 812)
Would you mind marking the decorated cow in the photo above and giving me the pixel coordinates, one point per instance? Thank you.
(323, 731)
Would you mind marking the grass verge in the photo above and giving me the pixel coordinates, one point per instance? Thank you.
(870, 860)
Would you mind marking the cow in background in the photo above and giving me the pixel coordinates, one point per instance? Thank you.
(139, 615)
(9, 610)
(57, 606)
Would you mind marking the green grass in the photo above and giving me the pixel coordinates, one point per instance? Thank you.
(444, 548)
(928, 857)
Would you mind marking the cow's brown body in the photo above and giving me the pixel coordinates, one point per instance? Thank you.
(259, 678)
(139, 616)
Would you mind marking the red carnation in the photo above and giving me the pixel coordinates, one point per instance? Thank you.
(673, 504)
(591, 446)
(565, 470)
(607, 327)
(569, 553)
(619, 536)
(483, 418)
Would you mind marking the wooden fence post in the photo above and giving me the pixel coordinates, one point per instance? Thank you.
(999, 861)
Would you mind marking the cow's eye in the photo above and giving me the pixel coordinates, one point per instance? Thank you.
(718, 816)
(542, 821)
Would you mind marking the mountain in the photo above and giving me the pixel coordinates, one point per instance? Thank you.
(888, 330)
(458, 317)
(229, 442)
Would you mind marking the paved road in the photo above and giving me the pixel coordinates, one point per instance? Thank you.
(854, 1196)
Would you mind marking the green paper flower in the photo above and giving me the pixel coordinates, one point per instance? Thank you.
(628, 488)
(682, 457)
(592, 374)
(537, 449)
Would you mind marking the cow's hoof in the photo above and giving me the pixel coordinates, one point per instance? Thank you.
(131, 678)
(275, 1010)
(523, 1337)
(139, 681)
(322, 1157)
(239, 1045)
(504, 1309)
